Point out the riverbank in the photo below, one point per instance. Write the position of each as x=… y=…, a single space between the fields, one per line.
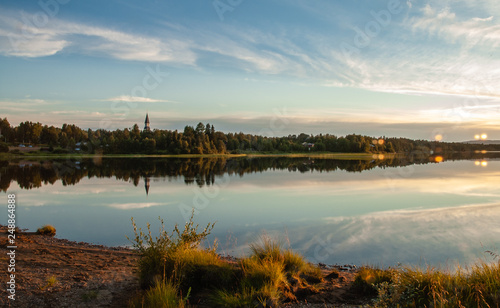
x=52 y=272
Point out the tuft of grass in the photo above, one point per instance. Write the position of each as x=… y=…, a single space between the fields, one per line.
x=50 y=282
x=163 y=295
x=89 y=296
x=368 y=278
x=271 y=250
x=47 y=230
x=199 y=269
x=268 y=276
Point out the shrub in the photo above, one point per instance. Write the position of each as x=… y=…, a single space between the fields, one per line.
x=160 y=256
x=47 y=230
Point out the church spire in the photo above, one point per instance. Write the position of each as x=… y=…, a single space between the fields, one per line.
x=146 y=123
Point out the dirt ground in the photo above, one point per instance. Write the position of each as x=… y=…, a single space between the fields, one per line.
x=53 y=272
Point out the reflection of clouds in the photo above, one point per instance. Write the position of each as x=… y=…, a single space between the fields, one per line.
x=136 y=205
x=389 y=237
x=88 y=191
x=435 y=236
x=484 y=184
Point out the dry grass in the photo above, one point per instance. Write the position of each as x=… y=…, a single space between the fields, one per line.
x=47 y=230
x=478 y=286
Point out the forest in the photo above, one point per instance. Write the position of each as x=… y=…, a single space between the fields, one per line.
x=204 y=139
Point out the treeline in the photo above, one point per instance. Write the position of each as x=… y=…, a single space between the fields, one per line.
x=204 y=139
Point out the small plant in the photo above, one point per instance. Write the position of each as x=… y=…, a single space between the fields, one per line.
x=46 y=230
x=90 y=295
x=50 y=282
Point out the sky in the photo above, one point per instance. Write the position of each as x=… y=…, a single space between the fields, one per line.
x=416 y=69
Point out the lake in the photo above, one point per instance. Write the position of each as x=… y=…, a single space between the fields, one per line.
x=382 y=211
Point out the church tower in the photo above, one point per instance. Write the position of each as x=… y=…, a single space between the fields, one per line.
x=146 y=124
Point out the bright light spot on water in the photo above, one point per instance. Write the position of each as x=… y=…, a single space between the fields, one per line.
x=484 y=152
x=438 y=159
x=381 y=141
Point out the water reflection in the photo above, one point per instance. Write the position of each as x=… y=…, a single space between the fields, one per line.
x=31 y=174
x=391 y=211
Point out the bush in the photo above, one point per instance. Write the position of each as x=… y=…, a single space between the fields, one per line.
x=160 y=256
x=60 y=151
x=4 y=148
x=46 y=230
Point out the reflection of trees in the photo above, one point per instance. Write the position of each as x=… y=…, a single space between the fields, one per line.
x=199 y=171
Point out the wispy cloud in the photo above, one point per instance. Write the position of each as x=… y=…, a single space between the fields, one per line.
x=432 y=50
x=135 y=99
x=25 y=40
x=447 y=25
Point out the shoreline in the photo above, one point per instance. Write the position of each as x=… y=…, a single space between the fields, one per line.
x=318 y=155
x=53 y=272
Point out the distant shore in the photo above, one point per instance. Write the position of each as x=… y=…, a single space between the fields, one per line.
x=326 y=155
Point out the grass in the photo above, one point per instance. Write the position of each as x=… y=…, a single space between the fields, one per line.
x=47 y=230
x=90 y=296
x=478 y=286
x=163 y=295
x=175 y=263
x=174 y=267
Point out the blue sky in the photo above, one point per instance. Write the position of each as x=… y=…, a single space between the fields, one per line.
x=396 y=68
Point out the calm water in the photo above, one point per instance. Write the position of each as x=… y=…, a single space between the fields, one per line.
x=358 y=212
